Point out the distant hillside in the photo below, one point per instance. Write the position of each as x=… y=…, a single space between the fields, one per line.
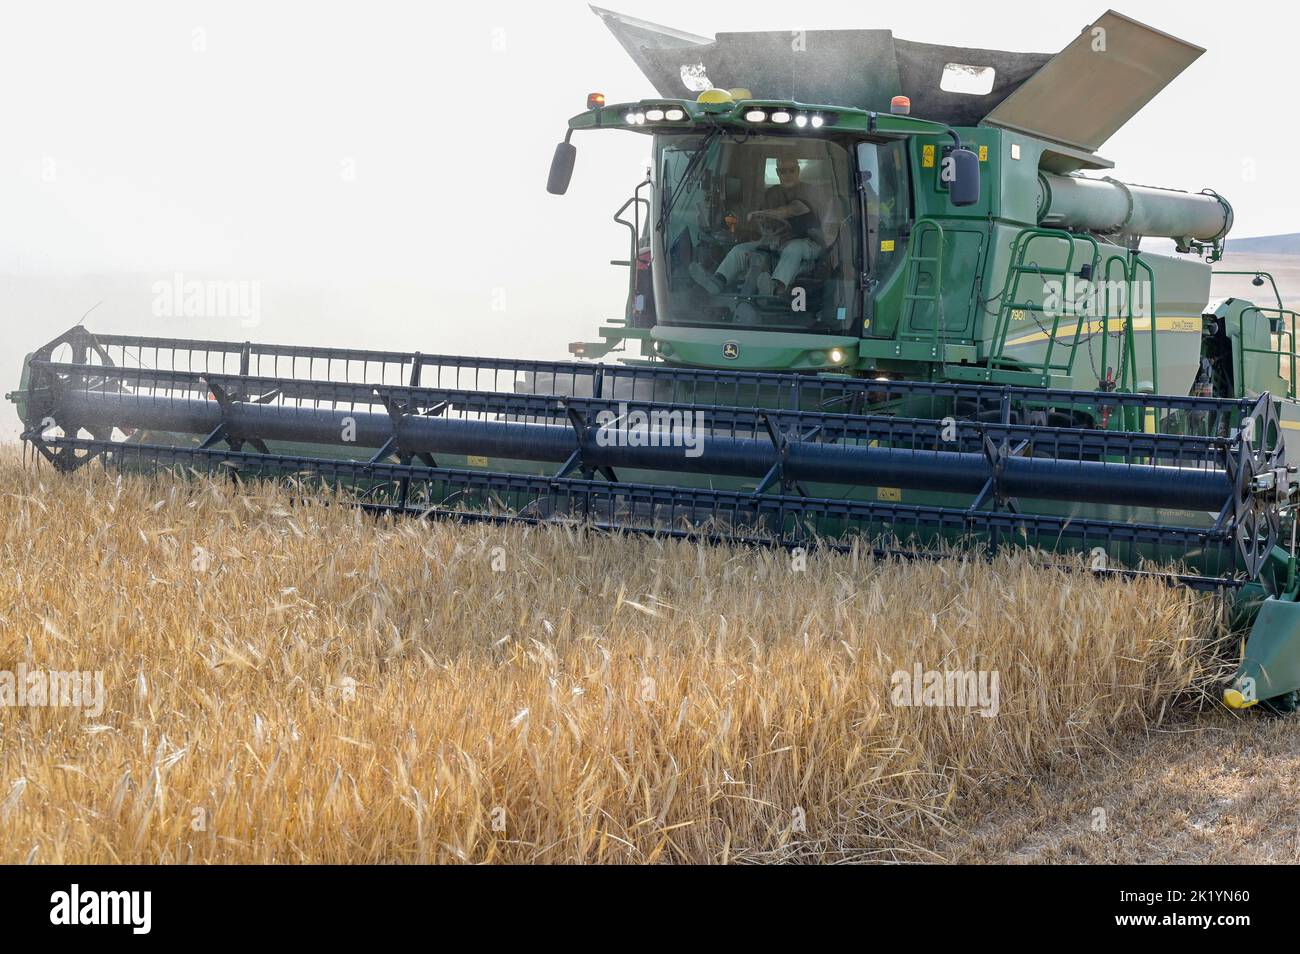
x=1288 y=244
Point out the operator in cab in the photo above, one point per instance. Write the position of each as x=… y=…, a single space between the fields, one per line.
x=791 y=233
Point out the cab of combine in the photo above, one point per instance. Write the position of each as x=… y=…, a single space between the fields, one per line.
x=850 y=202
x=771 y=227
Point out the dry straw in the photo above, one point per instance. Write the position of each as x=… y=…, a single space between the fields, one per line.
x=291 y=682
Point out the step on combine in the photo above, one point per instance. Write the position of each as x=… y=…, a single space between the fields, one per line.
x=881 y=294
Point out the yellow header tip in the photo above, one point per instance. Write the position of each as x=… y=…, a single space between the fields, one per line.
x=1233 y=699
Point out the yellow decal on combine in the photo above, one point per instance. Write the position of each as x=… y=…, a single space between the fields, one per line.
x=927 y=157
x=887 y=245
x=1116 y=324
x=477 y=461
x=984 y=153
x=892 y=494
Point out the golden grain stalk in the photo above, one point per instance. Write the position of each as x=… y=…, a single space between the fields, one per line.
x=290 y=682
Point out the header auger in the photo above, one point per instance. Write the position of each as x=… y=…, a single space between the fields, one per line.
x=856 y=327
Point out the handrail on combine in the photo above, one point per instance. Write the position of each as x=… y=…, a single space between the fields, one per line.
x=1011 y=291
x=1286 y=357
x=1128 y=346
x=1151 y=277
x=636 y=200
x=913 y=278
x=1256 y=273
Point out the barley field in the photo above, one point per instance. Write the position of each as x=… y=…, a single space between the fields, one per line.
x=288 y=681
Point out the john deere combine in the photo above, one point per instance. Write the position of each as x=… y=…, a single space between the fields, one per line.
x=881 y=293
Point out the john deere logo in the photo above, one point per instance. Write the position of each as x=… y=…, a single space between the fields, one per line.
x=731 y=349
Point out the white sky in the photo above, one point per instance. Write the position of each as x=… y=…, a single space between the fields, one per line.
x=130 y=154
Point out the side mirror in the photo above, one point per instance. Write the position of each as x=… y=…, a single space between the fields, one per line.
x=961 y=170
x=866 y=161
x=561 y=168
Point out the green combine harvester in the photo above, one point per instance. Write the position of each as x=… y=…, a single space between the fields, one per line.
x=881 y=294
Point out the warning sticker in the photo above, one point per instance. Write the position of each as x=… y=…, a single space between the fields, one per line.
x=887 y=245
x=892 y=494
x=927 y=157
x=984 y=153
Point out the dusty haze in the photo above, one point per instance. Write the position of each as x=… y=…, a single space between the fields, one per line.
x=377 y=169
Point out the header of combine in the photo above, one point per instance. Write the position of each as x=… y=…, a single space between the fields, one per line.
x=796 y=460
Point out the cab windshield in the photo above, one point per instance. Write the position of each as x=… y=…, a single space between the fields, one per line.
x=765 y=232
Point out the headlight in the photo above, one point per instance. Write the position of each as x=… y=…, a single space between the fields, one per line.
x=836 y=355
x=817 y=122
x=674 y=115
x=801 y=121
x=654 y=115
x=755 y=116
x=780 y=116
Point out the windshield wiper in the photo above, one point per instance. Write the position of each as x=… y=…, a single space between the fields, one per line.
x=668 y=203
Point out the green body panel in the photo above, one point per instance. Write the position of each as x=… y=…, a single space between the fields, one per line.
x=754 y=350
x=1270 y=655
x=1270 y=666
x=1249 y=331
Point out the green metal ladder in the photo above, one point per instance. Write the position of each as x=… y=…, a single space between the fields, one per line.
x=912 y=295
x=1012 y=303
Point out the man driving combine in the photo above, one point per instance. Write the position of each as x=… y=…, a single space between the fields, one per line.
x=788 y=223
